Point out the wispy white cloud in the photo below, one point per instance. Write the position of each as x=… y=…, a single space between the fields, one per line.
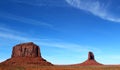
x=111 y=58
x=24 y=20
x=55 y=3
x=70 y=46
x=12 y=34
x=95 y=7
x=8 y=30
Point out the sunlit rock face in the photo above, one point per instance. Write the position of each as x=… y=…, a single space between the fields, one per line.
x=26 y=50
x=26 y=54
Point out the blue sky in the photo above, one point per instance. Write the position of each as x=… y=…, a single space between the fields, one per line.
x=65 y=30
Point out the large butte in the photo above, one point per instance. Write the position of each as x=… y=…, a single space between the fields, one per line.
x=26 y=54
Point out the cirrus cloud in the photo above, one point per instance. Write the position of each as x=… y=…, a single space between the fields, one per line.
x=94 y=7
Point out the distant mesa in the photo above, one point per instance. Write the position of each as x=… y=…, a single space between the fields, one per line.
x=90 y=61
x=26 y=54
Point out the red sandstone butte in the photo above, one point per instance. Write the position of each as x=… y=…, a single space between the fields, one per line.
x=90 y=61
x=26 y=54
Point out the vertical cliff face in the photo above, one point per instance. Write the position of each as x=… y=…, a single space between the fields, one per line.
x=91 y=56
x=26 y=54
x=26 y=50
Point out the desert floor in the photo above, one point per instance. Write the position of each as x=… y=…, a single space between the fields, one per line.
x=105 y=67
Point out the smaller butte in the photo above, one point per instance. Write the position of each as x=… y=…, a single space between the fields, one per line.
x=90 y=61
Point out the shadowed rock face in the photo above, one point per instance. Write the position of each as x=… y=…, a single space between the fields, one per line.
x=26 y=50
x=26 y=54
x=91 y=56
